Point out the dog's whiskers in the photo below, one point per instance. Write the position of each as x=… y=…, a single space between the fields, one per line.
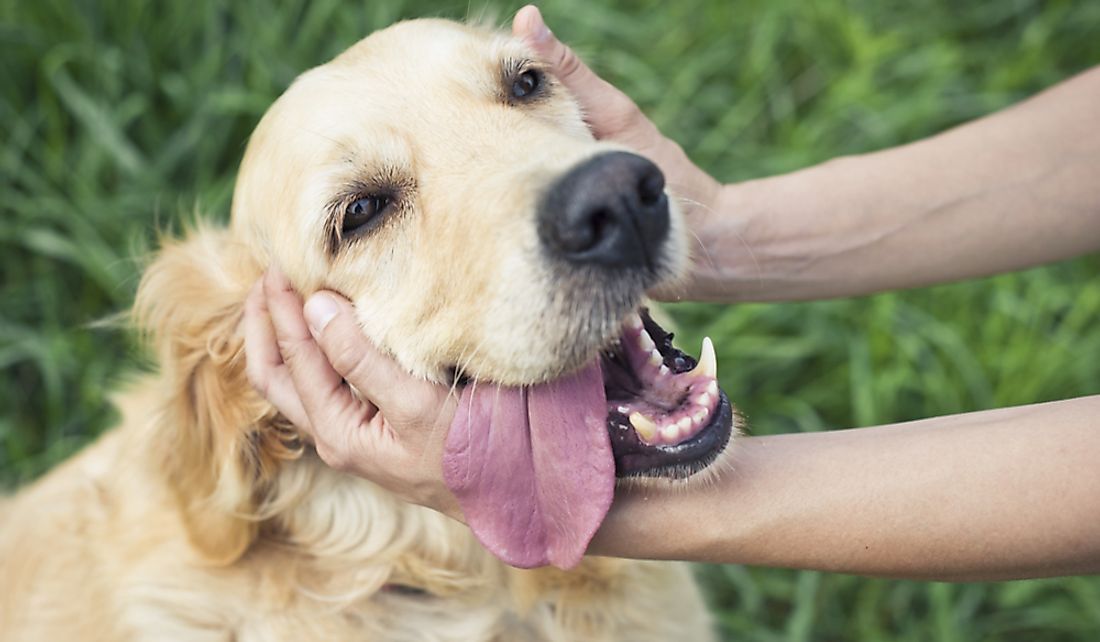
x=452 y=392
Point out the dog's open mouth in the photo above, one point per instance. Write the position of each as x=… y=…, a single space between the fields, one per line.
x=534 y=467
x=666 y=415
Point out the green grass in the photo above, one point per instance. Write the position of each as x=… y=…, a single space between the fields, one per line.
x=120 y=117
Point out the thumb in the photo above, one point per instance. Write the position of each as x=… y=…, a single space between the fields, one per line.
x=607 y=110
x=333 y=323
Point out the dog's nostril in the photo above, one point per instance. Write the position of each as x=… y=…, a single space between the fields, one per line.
x=592 y=227
x=651 y=187
x=599 y=224
x=610 y=210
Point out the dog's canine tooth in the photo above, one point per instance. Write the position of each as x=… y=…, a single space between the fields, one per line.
x=644 y=426
x=645 y=342
x=708 y=361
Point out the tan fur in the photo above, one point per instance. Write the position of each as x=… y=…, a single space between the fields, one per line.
x=203 y=517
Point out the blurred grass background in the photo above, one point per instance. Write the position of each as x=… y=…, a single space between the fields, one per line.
x=119 y=117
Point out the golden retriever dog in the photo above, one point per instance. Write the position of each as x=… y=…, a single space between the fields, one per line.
x=442 y=179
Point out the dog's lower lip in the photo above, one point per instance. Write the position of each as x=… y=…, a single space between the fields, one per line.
x=648 y=381
x=634 y=458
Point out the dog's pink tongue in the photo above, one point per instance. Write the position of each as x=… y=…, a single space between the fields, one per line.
x=532 y=467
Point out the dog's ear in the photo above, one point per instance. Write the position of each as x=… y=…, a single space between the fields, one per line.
x=215 y=439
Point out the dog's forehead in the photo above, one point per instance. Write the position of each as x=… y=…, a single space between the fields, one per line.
x=408 y=74
x=435 y=60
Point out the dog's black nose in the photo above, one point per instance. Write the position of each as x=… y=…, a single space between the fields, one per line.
x=610 y=210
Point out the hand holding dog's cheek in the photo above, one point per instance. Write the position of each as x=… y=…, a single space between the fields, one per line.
x=318 y=369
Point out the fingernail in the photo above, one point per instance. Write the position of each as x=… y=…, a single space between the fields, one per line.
x=319 y=310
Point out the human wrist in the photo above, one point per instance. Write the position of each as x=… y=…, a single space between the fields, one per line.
x=723 y=245
x=766 y=239
x=697 y=191
x=718 y=520
x=647 y=523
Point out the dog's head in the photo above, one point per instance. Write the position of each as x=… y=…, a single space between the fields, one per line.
x=441 y=178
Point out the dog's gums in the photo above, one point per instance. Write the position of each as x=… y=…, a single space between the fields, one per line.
x=666 y=415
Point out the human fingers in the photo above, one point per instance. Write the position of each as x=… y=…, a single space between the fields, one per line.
x=337 y=418
x=404 y=443
x=609 y=112
x=403 y=397
x=264 y=364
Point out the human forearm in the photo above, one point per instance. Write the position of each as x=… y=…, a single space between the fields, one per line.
x=1015 y=189
x=984 y=496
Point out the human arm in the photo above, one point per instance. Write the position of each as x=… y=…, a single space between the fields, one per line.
x=1015 y=189
x=1001 y=494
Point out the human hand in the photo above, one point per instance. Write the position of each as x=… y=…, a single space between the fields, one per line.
x=612 y=116
x=364 y=414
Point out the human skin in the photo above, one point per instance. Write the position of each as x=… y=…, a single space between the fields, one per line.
x=994 y=495
x=1012 y=190
x=1001 y=494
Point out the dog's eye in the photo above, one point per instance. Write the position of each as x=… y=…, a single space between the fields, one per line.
x=526 y=84
x=365 y=212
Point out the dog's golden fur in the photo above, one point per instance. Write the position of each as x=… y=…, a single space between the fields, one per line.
x=203 y=517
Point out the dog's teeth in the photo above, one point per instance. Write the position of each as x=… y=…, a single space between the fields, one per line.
x=634 y=321
x=700 y=416
x=684 y=425
x=644 y=426
x=708 y=361
x=655 y=358
x=671 y=432
x=663 y=370
x=645 y=342
x=712 y=389
x=703 y=400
